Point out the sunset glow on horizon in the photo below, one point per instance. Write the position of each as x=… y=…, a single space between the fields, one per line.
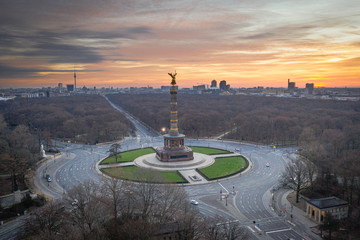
x=136 y=43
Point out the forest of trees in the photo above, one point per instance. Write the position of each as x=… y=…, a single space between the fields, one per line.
x=82 y=118
x=19 y=151
x=250 y=118
x=125 y=210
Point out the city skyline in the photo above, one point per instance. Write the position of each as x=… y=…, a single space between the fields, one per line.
x=122 y=44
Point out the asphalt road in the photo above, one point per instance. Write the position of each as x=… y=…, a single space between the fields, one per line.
x=250 y=201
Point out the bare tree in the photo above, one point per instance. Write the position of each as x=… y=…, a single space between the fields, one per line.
x=112 y=195
x=128 y=200
x=87 y=213
x=146 y=191
x=219 y=228
x=296 y=176
x=191 y=222
x=114 y=150
x=47 y=222
x=18 y=152
x=232 y=231
x=170 y=198
x=212 y=230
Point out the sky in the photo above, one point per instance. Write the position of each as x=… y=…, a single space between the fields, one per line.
x=123 y=43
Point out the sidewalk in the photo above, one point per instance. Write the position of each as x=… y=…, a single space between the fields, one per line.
x=302 y=223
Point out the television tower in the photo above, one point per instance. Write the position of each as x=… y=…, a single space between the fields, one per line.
x=74 y=79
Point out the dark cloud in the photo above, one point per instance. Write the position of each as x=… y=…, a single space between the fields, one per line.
x=287 y=32
x=63 y=46
x=7 y=71
x=47 y=46
x=259 y=36
x=126 y=59
x=125 y=33
x=139 y=30
x=65 y=53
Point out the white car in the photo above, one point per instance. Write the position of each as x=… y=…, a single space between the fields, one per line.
x=267 y=165
x=194 y=202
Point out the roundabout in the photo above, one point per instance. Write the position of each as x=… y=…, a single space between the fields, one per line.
x=250 y=203
x=192 y=171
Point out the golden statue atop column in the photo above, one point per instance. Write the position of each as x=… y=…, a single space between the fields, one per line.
x=174 y=149
x=173 y=76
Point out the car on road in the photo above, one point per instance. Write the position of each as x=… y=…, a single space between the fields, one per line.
x=267 y=165
x=48 y=178
x=194 y=202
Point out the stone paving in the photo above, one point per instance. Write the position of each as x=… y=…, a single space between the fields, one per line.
x=150 y=161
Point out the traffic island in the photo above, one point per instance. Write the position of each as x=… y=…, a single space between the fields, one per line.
x=134 y=173
x=127 y=156
x=224 y=167
x=138 y=164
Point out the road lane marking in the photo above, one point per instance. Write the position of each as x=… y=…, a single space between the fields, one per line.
x=257 y=228
x=251 y=229
x=223 y=187
x=291 y=223
x=280 y=230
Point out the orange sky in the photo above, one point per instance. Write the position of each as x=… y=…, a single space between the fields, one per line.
x=122 y=44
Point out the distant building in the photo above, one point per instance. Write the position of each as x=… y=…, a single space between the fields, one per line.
x=70 y=87
x=199 y=87
x=291 y=85
x=309 y=88
x=60 y=87
x=165 y=88
x=214 y=83
x=227 y=87
x=316 y=208
x=222 y=85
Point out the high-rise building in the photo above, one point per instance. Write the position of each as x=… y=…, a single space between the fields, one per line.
x=70 y=87
x=213 y=83
x=222 y=85
x=60 y=87
x=291 y=85
x=310 y=88
x=74 y=79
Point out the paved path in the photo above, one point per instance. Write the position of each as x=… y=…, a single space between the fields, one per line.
x=193 y=177
x=123 y=164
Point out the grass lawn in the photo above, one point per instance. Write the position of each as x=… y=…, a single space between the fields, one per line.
x=223 y=167
x=128 y=156
x=209 y=151
x=130 y=174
